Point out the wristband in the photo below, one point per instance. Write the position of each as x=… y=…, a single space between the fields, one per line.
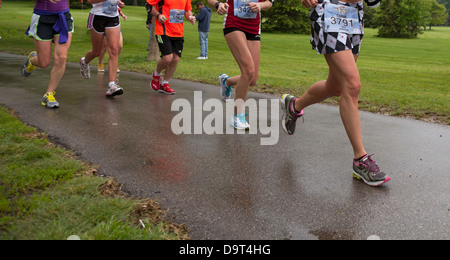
x=217 y=5
x=157 y=17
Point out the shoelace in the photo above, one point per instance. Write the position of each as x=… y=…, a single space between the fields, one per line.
x=50 y=97
x=370 y=164
x=229 y=90
x=30 y=67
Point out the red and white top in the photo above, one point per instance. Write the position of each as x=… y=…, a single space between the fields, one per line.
x=240 y=16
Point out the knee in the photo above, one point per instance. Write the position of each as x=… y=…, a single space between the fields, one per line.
x=352 y=89
x=114 y=52
x=60 y=59
x=44 y=63
x=254 y=80
x=175 y=58
x=167 y=58
x=97 y=52
x=250 y=75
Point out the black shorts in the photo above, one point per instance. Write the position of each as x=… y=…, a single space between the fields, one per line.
x=100 y=23
x=169 y=45
x=250 y=36
x=41 y=27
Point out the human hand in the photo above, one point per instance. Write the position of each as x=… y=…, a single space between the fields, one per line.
x=192 y=19
x=162 y=19
x=310 y=3
x=255 y=7
x=223 y=8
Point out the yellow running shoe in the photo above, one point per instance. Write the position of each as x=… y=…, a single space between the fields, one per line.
x=101 y=68
x=49 y=100
x=27 y=67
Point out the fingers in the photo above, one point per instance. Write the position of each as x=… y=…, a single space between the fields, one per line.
x=310 y=3
x=223 y=8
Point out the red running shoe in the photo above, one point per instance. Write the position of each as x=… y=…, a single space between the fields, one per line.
x=165 y=88
x=155 y=81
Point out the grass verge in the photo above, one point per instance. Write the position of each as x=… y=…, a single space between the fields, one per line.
x=47 y=193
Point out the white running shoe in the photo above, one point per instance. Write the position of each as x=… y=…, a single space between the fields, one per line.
x=225 y=92
x=85 y=69
x=239 y=122
x=114 y=90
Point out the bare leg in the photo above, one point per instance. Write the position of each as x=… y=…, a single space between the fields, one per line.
x=343 y=81
x=247 y=55
x=59 y=63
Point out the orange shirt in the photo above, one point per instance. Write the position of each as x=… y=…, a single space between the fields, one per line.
x=174 y=11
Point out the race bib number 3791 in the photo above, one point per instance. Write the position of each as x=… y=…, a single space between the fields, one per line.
x=343 y=19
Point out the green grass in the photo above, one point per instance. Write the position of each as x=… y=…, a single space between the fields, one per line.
x=46 y=193
x=400 y=77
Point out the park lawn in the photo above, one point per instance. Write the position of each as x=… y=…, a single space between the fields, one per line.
x=47 y=193
x=401 y=77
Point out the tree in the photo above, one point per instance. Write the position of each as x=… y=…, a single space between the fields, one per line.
x=287 y=16
x=153 y=54
x=438 y=14
x=402 y=18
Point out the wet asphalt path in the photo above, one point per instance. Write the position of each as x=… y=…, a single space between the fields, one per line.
x=231 y=187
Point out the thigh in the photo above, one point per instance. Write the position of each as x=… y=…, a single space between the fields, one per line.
x=238 y=44
x=61 y=50
x=113 y=36
x=44 y=52
x=97 y=41
x=343 y=70
x=255 y=50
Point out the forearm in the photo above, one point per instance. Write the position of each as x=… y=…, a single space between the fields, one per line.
x=95 y=1
x=266 y=5
x=188 y=14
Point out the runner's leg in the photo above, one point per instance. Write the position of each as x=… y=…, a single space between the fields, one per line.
x=239 y=47
x=44 y=54
x=345 y=76
x=171 y=66
x=113 y=38
x=97 y=43
x=59 y=63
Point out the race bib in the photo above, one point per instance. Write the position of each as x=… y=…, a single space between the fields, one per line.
x=343 y=19
x=176 y=16
x=242 y=9
x=110 y=7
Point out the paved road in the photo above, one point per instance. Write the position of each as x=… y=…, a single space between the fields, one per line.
x=230 y=186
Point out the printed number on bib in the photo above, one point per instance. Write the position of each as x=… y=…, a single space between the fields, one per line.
x=176 y=16
x=242 y=9
x=110 y=7
x=343 y=19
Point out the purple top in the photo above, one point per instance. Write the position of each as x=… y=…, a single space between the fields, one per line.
x=52 y=5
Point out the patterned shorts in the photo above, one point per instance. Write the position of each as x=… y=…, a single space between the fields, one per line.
x=327 y=43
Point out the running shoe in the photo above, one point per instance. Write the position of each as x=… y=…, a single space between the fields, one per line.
x=49 y=100
x=155 y=81
x=27 y=67
x=225 y=92
x=367 y=170
x=101 y=68
x=85 y=69
x=239 y=122
x=165 y=88
x=114 y=90
x=290 y=116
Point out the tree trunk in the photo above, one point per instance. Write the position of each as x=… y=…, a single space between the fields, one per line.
x=153 y=54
